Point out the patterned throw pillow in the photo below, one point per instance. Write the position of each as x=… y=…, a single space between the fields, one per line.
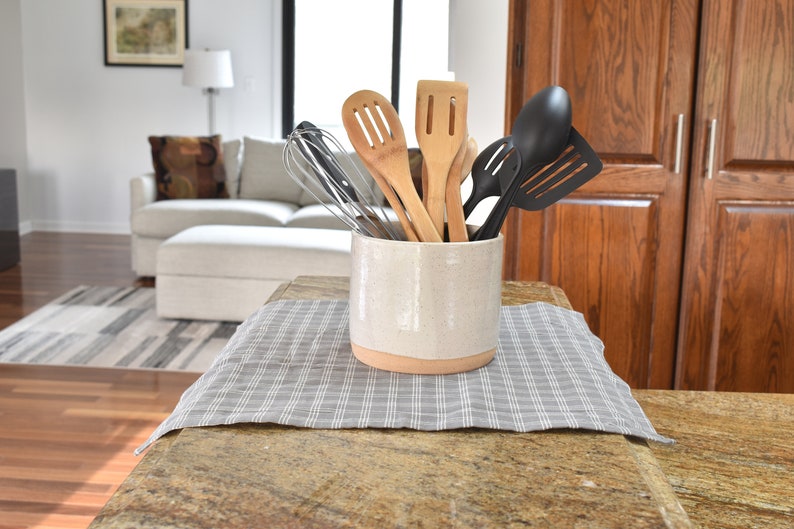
x=188 y=167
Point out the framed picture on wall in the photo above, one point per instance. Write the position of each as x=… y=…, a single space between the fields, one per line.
x=145 y=32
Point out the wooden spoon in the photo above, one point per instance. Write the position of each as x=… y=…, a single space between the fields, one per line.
x=472 y=150
x=441 y=108
x=394 y=202
x=456 y=221
x=377 y=135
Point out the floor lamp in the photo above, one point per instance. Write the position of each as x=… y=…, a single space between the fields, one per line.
x=209 y=70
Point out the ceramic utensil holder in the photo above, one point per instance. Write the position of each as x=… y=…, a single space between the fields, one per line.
x=425 y=308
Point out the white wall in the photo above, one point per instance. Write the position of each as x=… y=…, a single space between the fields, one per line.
x=87 y=123
x=13 y=145
x=478 y=56
x=77 y=132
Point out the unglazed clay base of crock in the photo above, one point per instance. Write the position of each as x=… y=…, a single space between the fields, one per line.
x=434 y=302
x=420 y=366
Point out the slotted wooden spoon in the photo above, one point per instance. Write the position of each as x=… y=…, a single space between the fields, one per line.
x=377 y=135
x=441 y=108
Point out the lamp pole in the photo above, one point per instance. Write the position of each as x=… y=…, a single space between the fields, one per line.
x=211 y=93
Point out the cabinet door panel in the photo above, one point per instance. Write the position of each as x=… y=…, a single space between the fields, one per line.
x=612 y=243
x=629 y=68
x=754 y=262
x=615 y=87
x=760 y=83
x=737 y=319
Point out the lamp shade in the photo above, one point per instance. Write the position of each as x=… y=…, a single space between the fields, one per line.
x=208 y=69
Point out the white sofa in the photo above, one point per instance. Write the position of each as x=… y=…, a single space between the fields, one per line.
x=262 y=194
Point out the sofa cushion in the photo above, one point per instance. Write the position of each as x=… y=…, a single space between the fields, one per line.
x=165 y=218
x=231 y=162
x=311 y=194
x=320 y=216
x=263 y=174
x=254 y=252
x=317 y=216
x=188 y=167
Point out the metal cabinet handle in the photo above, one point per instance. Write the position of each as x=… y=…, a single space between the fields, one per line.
x=679 y=144
x=712 y=146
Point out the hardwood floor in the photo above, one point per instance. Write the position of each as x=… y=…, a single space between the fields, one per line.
x=67 y=433
x=54 y=263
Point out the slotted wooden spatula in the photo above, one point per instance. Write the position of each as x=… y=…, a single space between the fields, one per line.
x=377 y=135
x=441 y=108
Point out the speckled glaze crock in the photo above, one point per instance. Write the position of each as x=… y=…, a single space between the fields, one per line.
x=425 y=308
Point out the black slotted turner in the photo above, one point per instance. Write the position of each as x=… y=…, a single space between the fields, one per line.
x=499 y=158
x=577 y=165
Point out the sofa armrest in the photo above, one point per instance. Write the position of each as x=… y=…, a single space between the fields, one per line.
x=143 y=191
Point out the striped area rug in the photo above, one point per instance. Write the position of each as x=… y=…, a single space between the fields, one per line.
x=112 y=327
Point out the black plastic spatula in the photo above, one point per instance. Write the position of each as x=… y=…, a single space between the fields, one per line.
x=497 y=160
x=577 y=165
x=540 y=133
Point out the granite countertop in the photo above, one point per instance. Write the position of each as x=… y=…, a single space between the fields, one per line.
x=731 y=467
x=733 y=463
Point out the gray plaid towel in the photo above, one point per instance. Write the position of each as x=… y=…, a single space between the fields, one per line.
x=291 y=363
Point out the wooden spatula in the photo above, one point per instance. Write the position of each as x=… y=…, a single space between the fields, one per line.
x=394 y=202
x=441 y=108
x=377 y=135
x=456 y=220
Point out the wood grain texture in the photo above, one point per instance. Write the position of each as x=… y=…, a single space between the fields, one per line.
x=441 y=131
x=759 y=106
x=66 y=434
x=737 y=312
x=54 y=263
x=67 y=437
x=379 y=140
x=614 y=246
x=630 y=71
x=610 y=246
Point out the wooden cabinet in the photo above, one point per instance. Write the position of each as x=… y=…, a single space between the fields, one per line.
x=737 y=312
x=688 y=280
x=616 y=245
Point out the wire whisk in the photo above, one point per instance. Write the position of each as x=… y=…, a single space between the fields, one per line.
x=318 y=162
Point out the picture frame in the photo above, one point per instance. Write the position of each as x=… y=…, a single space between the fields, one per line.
x=145 y=32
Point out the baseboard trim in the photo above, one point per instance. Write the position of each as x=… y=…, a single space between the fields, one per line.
x=122 y=228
